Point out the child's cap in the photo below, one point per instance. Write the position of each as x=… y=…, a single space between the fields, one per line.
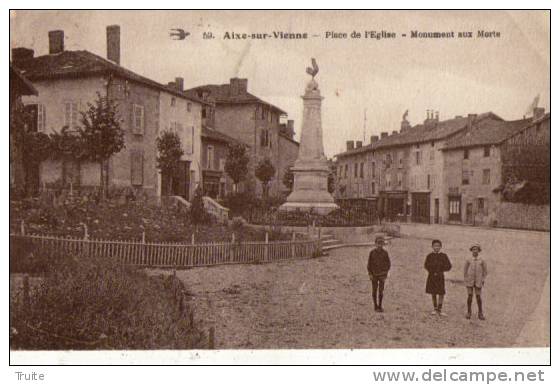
x=437 y=241
x=476 y=245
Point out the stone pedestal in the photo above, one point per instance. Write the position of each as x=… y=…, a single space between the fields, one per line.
x=311 y=169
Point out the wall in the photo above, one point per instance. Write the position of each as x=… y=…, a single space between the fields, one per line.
x=242 y=122
x=220 y=156
x=191 y=122
x=53 y=94
x=127 y=93
x=522 y=216
x=287 y=155
x=454 y=164
x=355 y=186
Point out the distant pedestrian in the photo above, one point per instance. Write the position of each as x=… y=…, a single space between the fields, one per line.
x=378 y=267
x=437 y=263
x=475 y=274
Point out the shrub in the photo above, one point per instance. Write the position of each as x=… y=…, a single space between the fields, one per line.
x=97 y=304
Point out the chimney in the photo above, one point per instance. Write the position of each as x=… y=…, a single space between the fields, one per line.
x=56 y=42
x=538 y=112
x=384 y=135
x=471 y=118
x=238 y=86
x=374 y=138
x=21 y=54
x=458 y=116
x=358 y=143
x=349 y=145
x=114 y=43
x=437 y=116
x=290 y=125
x=179 y=84
x=395 y=132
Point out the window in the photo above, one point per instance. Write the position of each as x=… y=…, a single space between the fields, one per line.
x=372 y=188
x=418 y=157
x=189 y=106
x=136 y=168
x=203 y=113
x=432 y=154
x=210 y=157
x=362 y=170
x=454 y=206
x=466 y=153
x=412 y=182
x=486 y=151
x=263 y=113
x=71 y=114
x=428 y=181
x=480 y=205
x=372 y=170
x=465 y=178
x=137 y=119
x=346 y=171
x=41 y=118
x=264 y=138
x=355 y=170
x=486 y=176
x=387 y=180
x=222 y=164
x=399 y=179
x=401 y=159
x=388 y=160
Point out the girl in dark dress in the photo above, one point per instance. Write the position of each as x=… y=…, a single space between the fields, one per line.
x=436 y=263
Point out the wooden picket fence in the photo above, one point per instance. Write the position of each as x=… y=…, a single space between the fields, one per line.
x=173 y=255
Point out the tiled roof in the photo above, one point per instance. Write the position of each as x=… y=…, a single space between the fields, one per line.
x=209 y=133
x=423 y=133
x=20 y=82
x=487 y=132
x=221 y=94
x=75 y=64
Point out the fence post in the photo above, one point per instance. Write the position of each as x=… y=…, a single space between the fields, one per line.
x=293 y=244
x=266 y=246
x=232 y=247
x=211 y=338
x=86 y=234
x=144 y=248
x=22 y=227
x=192 y=238
x=26 y=290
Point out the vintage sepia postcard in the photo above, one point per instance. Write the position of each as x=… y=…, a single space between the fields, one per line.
x=187 y=187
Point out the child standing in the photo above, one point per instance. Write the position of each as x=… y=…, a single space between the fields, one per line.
x=378 y=267
x=436 y=263
x=475 y=275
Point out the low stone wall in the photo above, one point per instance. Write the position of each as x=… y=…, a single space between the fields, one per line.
x=343 y=234
x=523 y=216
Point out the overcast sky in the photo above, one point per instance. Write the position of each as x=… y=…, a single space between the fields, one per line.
x=384 y=77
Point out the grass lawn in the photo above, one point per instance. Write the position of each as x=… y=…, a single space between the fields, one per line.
x=326 y=302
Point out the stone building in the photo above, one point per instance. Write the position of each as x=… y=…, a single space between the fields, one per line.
x=234 y=111
x=68 y=80
x=216 y=183
x=474 y=164
x=405 y=169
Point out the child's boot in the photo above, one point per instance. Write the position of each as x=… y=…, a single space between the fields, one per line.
x=469 y=306
x=380 y=308
x=479 y=303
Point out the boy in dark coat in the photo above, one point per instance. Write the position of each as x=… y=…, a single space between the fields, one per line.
x=436 y=263
x=378 y=267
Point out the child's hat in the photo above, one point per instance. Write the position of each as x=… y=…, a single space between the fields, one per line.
x=477 y=245
x=379 y=238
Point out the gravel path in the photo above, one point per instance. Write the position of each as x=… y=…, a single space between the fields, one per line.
x=326 y=302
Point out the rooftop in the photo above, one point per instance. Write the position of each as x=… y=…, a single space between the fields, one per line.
x=212 y=134
x=225 y=94
x=82 y=63
x=420 y=133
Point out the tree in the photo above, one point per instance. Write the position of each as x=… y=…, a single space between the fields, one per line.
x=102 y=135
x=237 y=163
x=265 y=172
x=169 y=155
x=288 y=178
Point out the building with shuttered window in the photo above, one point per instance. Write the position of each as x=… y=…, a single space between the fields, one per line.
x=68 y=80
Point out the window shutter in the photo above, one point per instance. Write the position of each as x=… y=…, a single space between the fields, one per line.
x=137 y=168
x=142 y=125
